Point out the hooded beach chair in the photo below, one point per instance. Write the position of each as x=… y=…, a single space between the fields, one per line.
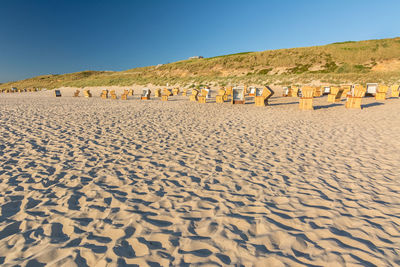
x=238 y=96
x=262 y=95
x=203 y=96
x=113 y=95
x=326 y=90
x=145 y=94
x=104 y=94
x=76 y=93
x=124 y=95
x=335 y=94
x=285 y=91
x=395 y=90
x=87 y=93
x=194 y=96
x=157 y=93
x=131 y=92
x=184 y=91
x=57 y=93
x=354 y=99
x=381 y=92
x=306 y=99
x=371 y=89
x=220 y=96
x=167 y=92
x=175 y=91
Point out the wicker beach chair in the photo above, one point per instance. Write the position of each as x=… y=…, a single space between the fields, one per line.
x=113 y=95
x=145 y=94
x=87 y=93
x=124 y=95
x=326 y=90
x=157 y=93
x=76 y=93
x=306 y=100
x=335 y=94
x=57 y=93
x=381 y=92
x=104 y=94
x=167 y=92
x=395 y=90
x=194 y=96
x=130 y=92
x=262 y=95
x=220 y=96
x=202 y=98
x=175 y=91
x=317 y=91
x=184 y=91
x=371 y=89
x=238 y=96
x=354 y=100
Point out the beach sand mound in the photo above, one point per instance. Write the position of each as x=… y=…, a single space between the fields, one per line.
x=109 y=182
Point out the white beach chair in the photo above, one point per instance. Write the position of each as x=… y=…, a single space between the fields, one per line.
x=371 y=89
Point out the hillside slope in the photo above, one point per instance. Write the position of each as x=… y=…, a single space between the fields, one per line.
x=363 y=61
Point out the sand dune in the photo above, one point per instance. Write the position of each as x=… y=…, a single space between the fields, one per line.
x=109 y=182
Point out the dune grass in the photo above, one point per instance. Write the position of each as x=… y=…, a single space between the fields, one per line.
x=335 y=63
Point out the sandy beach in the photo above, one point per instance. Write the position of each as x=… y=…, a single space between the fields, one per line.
x=94 y=182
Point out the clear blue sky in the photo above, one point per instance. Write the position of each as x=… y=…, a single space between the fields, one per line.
x=58 y=36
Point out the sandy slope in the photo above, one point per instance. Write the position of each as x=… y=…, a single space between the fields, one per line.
x=96 y=182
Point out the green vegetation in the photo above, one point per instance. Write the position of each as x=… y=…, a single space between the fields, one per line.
x=342 y=62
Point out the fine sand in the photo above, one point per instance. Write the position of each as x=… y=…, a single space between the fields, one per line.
x=110 y=182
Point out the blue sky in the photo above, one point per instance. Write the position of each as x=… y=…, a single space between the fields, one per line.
x=58 y=36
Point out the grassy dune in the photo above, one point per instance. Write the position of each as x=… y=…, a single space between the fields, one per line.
x=363 y=61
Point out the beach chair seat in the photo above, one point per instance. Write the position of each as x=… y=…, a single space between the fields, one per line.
x=252 y=91
x=57 y=93
x=113 y=95
x=354 y=100
x=175 y=91
x=262 y=95
x=194 y=96
x=76 y=93
x=306 y=99
x=220 y=96
x=238 y=96
x=145 y=94
x=395 y=90
x=335 y=94
x=87 y=93
x=381 y=92
x=104 y=94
